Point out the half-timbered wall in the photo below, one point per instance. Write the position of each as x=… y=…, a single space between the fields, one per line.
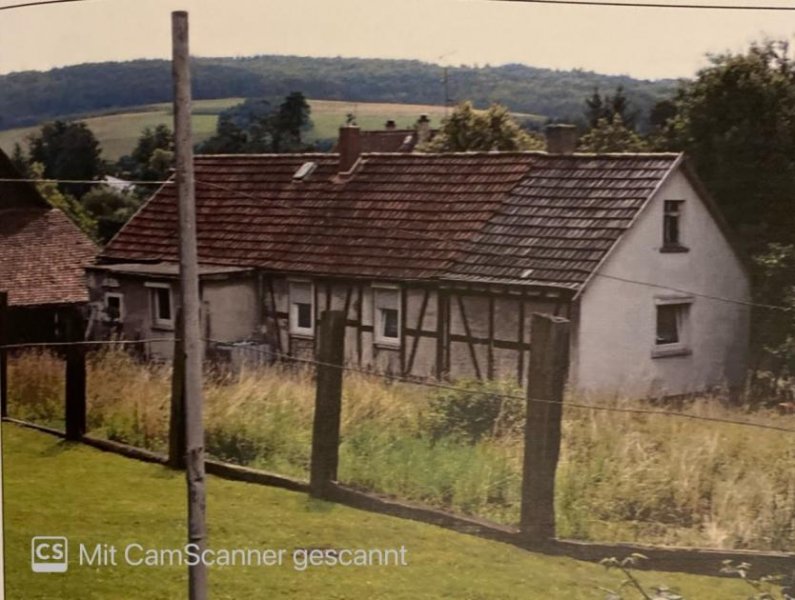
x=444 y=333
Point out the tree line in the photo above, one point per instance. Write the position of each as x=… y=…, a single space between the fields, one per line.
x=31 y=97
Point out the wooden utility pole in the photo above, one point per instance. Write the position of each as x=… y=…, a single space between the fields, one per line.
x=328 y=402
x=190 y=301
x=176 y=423
x=4 y=337
x=549 y=362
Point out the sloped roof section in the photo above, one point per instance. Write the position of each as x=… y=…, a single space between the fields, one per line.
x=524 y=218
x=560 y=221
x=42 y=257
x=398 y=216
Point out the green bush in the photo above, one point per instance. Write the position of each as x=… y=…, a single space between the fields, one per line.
x=480 y=410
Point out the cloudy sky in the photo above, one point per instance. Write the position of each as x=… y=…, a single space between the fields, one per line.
x=648 y=43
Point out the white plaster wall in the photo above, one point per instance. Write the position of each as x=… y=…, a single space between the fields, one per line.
x=617 y=322
x=229 y=309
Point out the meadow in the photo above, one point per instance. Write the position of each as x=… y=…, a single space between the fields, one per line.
x=622 y=477
x=118 y=132
x=58 y=488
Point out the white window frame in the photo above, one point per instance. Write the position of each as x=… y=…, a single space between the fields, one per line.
x=154 y=306
x=379 y=321
x=682 y=347
x=294 y=328
x=120 y=297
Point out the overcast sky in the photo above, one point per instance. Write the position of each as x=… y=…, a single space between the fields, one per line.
x=648 y=43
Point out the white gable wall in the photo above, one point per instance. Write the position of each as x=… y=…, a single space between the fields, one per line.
x=615 y=335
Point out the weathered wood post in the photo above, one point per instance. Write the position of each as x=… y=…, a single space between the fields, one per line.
x=75 y=413
x=176 y=423
x=548 y=369
x=328 y=402
x=4 y=337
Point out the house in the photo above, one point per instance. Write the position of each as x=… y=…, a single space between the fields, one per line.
x=439 y=261
x=43 y=255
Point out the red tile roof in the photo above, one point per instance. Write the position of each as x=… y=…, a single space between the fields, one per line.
x=483 y=216
x=42 y=257
x=387 y=140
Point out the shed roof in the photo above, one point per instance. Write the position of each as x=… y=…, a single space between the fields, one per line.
x=524 y=218
x=42 y=252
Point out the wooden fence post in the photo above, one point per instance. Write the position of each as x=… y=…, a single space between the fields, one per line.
x=75 y=393
x=4 y=338
x=328 y=402
x=548 y=369
x=176 y=430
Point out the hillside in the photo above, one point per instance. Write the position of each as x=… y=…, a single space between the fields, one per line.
x=30 y=97
x=118 y=131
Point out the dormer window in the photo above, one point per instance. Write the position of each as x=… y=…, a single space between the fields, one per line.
x=672 y=226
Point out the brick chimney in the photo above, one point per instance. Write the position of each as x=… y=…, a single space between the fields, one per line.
x=423 y=129
x=561 y=139
x=349 y=146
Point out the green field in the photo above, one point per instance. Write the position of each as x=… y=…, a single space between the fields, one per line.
x=119 y=131
x=55 y=488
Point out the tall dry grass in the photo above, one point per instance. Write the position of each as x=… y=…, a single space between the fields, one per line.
x=622 y=477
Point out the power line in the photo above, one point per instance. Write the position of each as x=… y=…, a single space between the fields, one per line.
x=617 y=409
x=655 y=5
x=697 y=294
x=42 y=3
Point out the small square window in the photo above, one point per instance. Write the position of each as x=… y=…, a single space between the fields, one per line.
x=672 y=328
x=302 y=310
x=386 y=304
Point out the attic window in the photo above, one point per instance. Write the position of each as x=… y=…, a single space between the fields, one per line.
x=304 y=171
x=672 y=226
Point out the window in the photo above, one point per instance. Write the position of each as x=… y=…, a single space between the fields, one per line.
x=386 y=309
x=672 y=327
x=302 y=308
x=114 y=307
x=162 y=305
x=672 y=234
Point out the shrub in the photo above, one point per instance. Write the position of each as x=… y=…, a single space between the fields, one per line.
x=480 y=409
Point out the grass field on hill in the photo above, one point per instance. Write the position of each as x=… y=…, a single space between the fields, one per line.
x=55 y=488
x=119 y=131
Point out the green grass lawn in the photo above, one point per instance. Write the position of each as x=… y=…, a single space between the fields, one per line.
x=118 y=132
x=60 y=489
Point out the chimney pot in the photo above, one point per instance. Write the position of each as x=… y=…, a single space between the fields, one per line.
x=561 y=139
x=349 y=146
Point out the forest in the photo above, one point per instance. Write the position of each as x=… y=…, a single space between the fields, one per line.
x=31 y=97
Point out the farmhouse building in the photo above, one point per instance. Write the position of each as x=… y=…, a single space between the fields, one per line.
x=439 y=261
x=43 y=255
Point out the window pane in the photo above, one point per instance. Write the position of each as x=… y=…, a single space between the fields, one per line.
x=304 y=311
x=163 y=304
x=113 y=307
x=671 y=229
x=389 y=320
x=667 y=327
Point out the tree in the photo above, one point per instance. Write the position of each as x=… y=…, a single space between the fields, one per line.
x=153 y=155
x=110 y=208
x=67 y=150
x=736 y=121
x=608 y=108
x=290 y=121
x=612 y=136
x=67 y=203
x=485 y=130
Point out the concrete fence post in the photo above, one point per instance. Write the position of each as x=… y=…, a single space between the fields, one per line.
x=328 y=402
x=548 y=370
